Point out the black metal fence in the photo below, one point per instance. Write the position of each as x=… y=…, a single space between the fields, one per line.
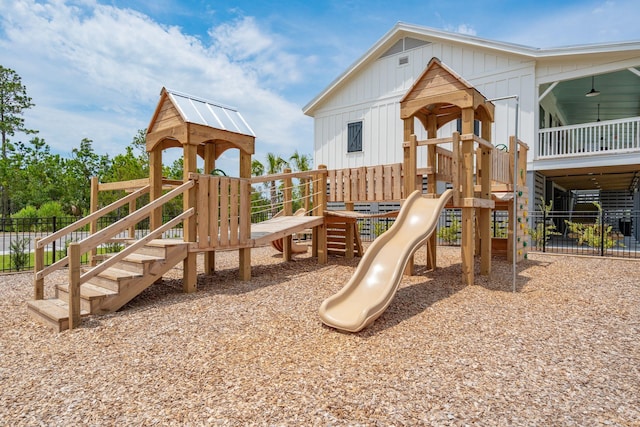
x=18 y=237
x=600 y=233
x=609 y=233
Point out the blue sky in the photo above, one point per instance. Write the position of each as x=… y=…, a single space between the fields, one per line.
x=94 y=68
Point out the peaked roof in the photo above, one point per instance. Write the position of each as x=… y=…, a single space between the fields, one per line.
x=401 y=30
x=208 y=113
x=441 y=92
x=185 y=119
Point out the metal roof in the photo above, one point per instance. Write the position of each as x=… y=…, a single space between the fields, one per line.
x=207 y=113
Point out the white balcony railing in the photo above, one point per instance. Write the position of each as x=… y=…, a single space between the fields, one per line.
x=606 y=137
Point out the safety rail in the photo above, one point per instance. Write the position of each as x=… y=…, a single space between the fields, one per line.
x=312 y=187
x=366 y=184
x=603 y=137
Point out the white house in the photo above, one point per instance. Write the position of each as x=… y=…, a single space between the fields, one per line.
x=579 y=109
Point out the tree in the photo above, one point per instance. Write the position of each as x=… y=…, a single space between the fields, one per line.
x=275 y=164
x=13 y=101
x=301 y=162
x=83 y=164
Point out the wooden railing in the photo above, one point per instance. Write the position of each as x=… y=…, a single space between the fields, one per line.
x=224 y=211
x=366 y=184
x=89 y=244
x=605 y=137
x=312 y=186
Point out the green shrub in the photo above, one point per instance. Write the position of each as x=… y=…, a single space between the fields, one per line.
x=19 y=250
x=51 y=209
x=450 y=233
x=542 y=234
x=596 y=235
x=26 y=219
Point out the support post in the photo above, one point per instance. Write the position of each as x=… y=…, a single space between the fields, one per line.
x=38 y=284
x=190 y=272
x=74 y=285
x=468 y=213
x=410 y=186
x=244 y=254
x=287 y=241
x=155 y=182
x=319 y=239
x=209 y=166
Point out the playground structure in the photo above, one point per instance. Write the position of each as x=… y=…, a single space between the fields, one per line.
x=216 y=214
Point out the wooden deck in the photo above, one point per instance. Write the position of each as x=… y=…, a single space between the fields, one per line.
x=279 y=227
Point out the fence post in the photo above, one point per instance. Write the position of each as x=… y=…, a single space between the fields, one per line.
x=544 y=230
x=602 y=234
x=53 y=244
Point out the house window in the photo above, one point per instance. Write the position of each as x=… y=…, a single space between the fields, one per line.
x=354 y=137
x=476 y=126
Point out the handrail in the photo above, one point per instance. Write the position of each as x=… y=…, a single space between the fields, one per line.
x=132 y=248
x=280 y=176
x=115 y=228
x=92 y=217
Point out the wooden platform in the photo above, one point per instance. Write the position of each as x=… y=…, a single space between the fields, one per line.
x=279 y=227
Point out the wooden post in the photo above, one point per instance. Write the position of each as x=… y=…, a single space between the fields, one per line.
x=287 y=211
x=319 y=243
x=209 y=166
x=468 y=212
x=38 y=284
x=432 y=188
x=485 y=193
x=93 y=226
x=244 y=254
x=410 y=187
x=155 y=182
x=74 y=285
x=190 y=273
x=132 y=229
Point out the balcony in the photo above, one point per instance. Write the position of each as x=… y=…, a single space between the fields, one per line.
x=589 y=139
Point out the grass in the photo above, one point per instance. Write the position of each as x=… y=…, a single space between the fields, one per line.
x=7 y=265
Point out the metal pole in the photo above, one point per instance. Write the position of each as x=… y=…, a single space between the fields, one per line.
x=515 y=186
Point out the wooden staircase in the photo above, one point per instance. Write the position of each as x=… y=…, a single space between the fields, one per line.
x=115 y=286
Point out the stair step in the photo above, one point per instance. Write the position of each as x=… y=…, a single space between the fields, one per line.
x=116 y=274
x=91 y=296
x=112 y=278
x=52 y=312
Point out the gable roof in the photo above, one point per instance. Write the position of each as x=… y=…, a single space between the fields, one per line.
x=184 y=119
x=401 y=30
x=208 y=113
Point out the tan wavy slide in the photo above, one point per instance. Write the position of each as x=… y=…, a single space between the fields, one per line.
x=376 y=279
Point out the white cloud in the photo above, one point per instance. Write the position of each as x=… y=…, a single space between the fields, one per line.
x=96 y=71
x=464 y=29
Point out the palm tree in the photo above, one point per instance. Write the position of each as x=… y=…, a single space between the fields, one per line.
x=275 y=164
x=301 y=162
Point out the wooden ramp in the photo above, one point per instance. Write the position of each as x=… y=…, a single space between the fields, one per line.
x=279 y=227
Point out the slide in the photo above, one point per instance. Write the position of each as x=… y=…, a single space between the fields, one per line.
x=373 y=285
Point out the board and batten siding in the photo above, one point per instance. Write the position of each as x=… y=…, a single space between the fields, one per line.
x=374 y=93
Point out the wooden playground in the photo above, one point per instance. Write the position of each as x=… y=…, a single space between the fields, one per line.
x=217 y=210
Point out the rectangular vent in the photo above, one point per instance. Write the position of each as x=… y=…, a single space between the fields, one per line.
x=403 y=60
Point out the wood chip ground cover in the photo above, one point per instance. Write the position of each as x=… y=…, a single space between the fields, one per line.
x=563 y=350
